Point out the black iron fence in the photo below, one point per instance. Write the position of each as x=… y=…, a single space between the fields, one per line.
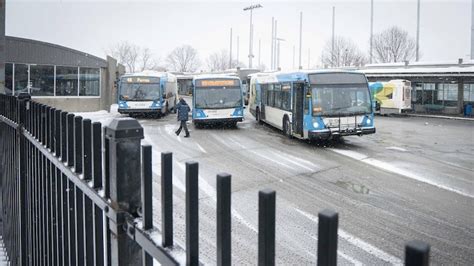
x=75 y=193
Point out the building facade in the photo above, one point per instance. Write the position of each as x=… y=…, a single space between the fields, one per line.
x=444 y=88
x=59 y=76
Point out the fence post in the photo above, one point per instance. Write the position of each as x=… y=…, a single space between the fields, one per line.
x=417 y=253
x=23 y=109
x=167 y=198
x=327 y=237
x=124 y=135
x=192 y=213
x=223 y=213
x=266 y=227
x=147 y=196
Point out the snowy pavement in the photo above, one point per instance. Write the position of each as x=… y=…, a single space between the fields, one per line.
x=411 y=180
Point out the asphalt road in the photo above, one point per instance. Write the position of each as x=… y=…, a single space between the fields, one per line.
x=413 y=179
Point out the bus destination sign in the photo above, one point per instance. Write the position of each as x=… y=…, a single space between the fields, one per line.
x=217 y=82
x=142 y=80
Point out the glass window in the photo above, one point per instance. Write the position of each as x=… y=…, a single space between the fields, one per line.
x=66 y=81
x=21 y=78
x=418 y=93
x=41 y=80
x=428 y=95
x=468 y=92
x=277 y=99
x=448 y=94
x=8 y=78
x=286 y=97
x=89 y=82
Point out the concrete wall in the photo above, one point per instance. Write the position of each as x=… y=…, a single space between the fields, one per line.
x=72 y=104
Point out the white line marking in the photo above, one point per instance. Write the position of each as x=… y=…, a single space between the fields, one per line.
x=275 y=161
x=358 y=242
x=396 y=148
x=293 y=161
x=349 y=258
x=201 y=148
x=397 y=170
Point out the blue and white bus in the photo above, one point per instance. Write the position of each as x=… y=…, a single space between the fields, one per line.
x=217 y=99
x=323 y=104
x=147 y=93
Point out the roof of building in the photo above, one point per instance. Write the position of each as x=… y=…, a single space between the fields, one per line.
x=28 y=51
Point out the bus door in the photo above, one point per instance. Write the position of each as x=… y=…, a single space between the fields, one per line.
x=263 y=97
x=298 y=107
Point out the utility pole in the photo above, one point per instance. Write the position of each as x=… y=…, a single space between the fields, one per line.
x=272 y=43
x=371 y=28
x=275 y=43
x=259 y=51
x=332 y=42
x=418 y=32
x=472 y=30
x=230 y=54
x=238 y=58
x=251 y=8
x=309 y=58
x=278 y=52
x=301 y=41
x=293 y=67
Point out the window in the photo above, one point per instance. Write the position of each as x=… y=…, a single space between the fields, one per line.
x=469 y=92
x=417 y=93
x=428 y=93
x=277 y=95
x=41 y=80
x=270 y=95
x=448 y=94
x=89 y=82
x=285 y=97
x=8 y=78
x=66 y=81
x=21 y=78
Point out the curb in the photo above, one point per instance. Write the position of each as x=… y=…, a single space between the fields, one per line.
x=441 y=116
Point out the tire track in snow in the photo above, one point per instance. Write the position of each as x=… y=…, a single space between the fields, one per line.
x=397 y=170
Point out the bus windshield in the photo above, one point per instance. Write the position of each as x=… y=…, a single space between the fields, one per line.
x=217 y=97
x=341 y=100
x=139 y=91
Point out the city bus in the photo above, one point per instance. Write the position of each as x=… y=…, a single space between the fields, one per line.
x=217 y=99
x=147 y=93
x=318 y=104
x=391 y=97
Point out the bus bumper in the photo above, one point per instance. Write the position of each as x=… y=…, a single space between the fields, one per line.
x=139 y=111
x=332 y=133
x=218 y=120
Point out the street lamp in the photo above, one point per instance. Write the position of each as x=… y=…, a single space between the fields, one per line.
x=251 y=8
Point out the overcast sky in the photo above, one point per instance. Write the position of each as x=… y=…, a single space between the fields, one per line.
x=94 y=26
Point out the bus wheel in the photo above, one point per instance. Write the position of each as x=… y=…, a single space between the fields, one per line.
x=257 y=116
x=287 y=128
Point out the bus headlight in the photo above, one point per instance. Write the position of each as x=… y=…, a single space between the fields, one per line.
x=368 y=121
x=315 y=124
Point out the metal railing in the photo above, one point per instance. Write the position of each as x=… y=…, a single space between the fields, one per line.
x=75 y=193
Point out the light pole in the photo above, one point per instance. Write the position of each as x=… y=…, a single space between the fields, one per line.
x=278 y=40
x=251 y=8
x=417 y=55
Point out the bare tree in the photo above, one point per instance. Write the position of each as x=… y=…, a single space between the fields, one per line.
x=183 y=59
x=133 y=57
x=218 y=61
x=345 y=53
x=393 y=45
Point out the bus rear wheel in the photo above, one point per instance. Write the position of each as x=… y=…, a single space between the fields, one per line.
x=287 y=128
x=258 y=116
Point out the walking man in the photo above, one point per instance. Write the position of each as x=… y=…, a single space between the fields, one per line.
x=183 y=110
